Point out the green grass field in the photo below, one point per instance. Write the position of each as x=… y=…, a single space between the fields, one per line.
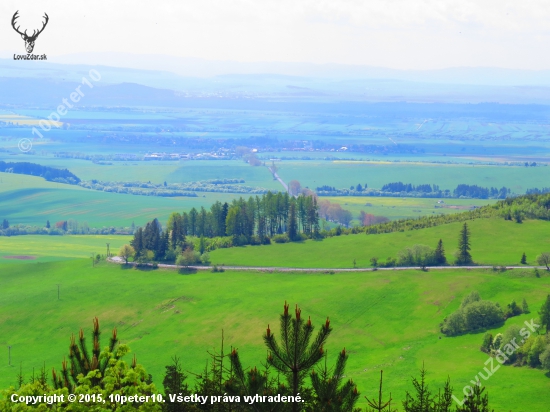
x=48 y=248
x=156 y=171
x=403 y=207
x=342 y=174
x=32 y=200
x=386 y=320
x=493 y=241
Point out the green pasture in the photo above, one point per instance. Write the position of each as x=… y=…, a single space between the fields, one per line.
x=404 y=207
x=385 y=320
x=343 y=174
x=43 y=248
x=194 y=170
x=157 y=171
x=32 y=201
x=493 y=241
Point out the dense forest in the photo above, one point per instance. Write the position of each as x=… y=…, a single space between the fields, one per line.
x=257 y=220
x=49 y=173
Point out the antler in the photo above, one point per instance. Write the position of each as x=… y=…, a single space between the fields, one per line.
x=43 y=25
x=34 y=33
x=15 y=17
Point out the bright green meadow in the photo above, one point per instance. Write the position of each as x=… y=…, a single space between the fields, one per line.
x=343 y=174
x=385 y=320
x=494 y=241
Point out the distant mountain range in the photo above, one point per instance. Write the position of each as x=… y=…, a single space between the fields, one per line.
x=171 y=81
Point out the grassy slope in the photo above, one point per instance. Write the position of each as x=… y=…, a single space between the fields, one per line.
x=32 y=200
x=157 y=171
x=375 y=174
x=493 y=241
x=48 y=248
x=385 y=320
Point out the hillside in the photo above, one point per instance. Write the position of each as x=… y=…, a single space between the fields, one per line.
x=495 y=241
x=386 y=320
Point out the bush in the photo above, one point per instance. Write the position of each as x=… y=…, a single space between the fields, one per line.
x=473 y=314
x=512 y=309
x=188 y=257
x=487 y=345
x=417 y=255
x=453 y=324
x=482 y=314
x=471 y=298
x=545 y=358
x=205 y=259
x=281 y=238
x=510 y=338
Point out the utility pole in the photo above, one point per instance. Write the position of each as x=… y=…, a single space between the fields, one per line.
x=57 y=290
x=9 y=355
x=108 y=251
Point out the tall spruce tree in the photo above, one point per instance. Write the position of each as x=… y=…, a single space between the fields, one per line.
x=292 y=223
x=464 y=257
x=439 y=254
x=137 y=243
x=544 y=314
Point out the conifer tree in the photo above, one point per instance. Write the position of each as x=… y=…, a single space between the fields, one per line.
x=137 y=242
x=174 y=383
x=545 y=314
x=81 y=361
x=380 y=405
x=292 y=223
x=439 y=254
x=424 y=401
x=331 y=395
x=294 y=355
x=523 y=259
x=525 y=306
x=476 y=402
x=464 y=257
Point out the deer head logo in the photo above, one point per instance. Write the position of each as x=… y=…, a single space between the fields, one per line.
x=29 y=40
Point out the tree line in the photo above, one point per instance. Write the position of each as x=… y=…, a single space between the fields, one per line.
x=188 y=189
x=33 y=169
x=396 y=189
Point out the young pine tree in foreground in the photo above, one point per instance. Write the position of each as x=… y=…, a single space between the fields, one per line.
x=380 y=405
x=331 y=395
x=294 y=356
x=476 y=402
x=424 y=401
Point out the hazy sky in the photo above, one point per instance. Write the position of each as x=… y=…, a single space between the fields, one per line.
x=402 y=34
